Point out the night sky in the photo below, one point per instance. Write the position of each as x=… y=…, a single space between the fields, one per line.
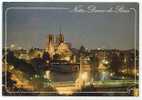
x=29 y=28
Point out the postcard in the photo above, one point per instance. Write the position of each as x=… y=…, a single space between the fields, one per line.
x=70 y=49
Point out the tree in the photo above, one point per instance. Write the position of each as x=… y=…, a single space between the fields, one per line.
x=46 y=56
x=20 y=64
x=116 y=63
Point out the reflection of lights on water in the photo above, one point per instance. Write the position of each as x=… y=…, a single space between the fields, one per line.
x=104 y=75
x=111 y=74
x=47 y=74
x=123 y=77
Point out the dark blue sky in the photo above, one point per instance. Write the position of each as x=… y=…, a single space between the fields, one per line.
x=30 y=27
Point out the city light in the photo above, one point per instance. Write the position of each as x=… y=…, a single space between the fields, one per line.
x=105 y=61
x=12 y=46
x=84 y=76
x=47 y=74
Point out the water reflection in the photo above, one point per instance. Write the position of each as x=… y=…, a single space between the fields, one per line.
x=60 y=77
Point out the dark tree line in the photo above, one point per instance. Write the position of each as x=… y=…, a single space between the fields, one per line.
x=35 y=66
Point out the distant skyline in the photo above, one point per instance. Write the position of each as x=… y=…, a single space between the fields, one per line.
x=29 y=26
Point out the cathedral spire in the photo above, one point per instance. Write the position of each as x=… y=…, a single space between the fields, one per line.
x=60 y=29
x=61 y=36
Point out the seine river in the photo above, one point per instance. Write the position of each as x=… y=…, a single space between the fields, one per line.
x=60 y=77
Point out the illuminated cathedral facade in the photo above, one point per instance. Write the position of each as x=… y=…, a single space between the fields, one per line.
x=57 y=45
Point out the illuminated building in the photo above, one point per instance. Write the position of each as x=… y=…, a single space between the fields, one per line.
x=50 y=38
x=57 y=45
x=50 y=48
x=64 y=50
x=59 y=38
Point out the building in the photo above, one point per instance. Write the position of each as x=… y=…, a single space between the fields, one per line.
x=57 y=45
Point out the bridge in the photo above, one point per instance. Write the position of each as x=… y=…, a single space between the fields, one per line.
x=66 y=88
x=114 y=83
x=70 y=87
